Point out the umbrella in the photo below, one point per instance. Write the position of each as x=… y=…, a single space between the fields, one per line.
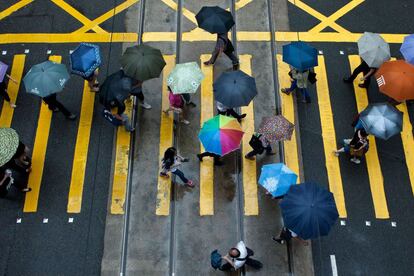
x=373 y=49
x=142 y=62
x=277 y=178
x=117 y=85
x=396 y=80
x=46 y=78
x=300 y=55
x=85 y=59
x=407 y=49
x=9 y=141
x=382 y=120
x=221 y=135
x=309 y=210
x=215 y=20
x=276 y=128
x=185 y=78
x=3 y=70
x=234 y=89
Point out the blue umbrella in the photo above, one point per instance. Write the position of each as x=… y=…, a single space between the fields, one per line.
x=277 y=178
x=85 y=59
x=300 y=55
x=309 y=210
x=407 y=49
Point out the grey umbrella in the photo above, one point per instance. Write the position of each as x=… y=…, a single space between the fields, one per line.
x=382 y=120
x=373 y=49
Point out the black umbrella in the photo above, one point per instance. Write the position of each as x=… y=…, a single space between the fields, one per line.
x=215 y=20
x=234 y=89
x=116 y=86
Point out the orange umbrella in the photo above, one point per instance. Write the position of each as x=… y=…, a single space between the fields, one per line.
x=396 y=80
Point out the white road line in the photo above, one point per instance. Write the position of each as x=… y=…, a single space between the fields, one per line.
x=4 y=53
x=19 y=220
x=333 y=265
x=393 y=224
x=343 y=223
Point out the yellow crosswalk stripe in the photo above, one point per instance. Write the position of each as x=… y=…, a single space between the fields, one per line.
x=13 y=90
x=376 y=180
x=329 y=137
x=288 y=111
x=251 y=203
x=81 y=151
x=120 y=177
x=166 y=141
x=39 y=153
x=207 y=166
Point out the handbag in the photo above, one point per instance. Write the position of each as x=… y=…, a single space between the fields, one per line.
x=356 y=153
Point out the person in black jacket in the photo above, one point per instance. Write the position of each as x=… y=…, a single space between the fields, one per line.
x=223 y=45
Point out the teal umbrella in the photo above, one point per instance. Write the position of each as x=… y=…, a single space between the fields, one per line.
x=46 y=78
x=142 y=62
x=185 y=78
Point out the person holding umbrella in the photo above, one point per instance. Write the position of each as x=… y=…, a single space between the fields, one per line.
x=3 y=85
x=224 y=110
x=259 y=143
x=299 y=81
x=223 y=45
x=356 y=147
x=176 y=105
x=85 y=61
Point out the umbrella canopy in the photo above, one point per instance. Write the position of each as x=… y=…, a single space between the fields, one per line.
x=116 y=86
x=373 y=49
x=396 y=80
x=407 y=49
x=309 y=210
x=276 y=128
x=3 y=70
x=85 y=59
x=277 y=178
x=185 y=78
x=9 y=141
x=382 y=120
x=142 y=62
x=234 y=89
x=221 y=135
x=214 y=20
x=46 y=78
x=300 y=55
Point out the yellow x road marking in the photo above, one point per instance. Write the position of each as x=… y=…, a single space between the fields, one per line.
x=14 y=8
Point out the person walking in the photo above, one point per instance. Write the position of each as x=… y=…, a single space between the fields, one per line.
x=286 y=235
x=7 y=181
x=365 y=70
x=259 y=143
x=227 y=111
x=137 y=92
x=170 y=163
x=57 y=106
x=355 y=147
x=92 y=80
x=3 y=91
x=223 y=45
x=239 y=256
x=299 y=81
x=114 y=112
x=217 y=158
x=176 y=105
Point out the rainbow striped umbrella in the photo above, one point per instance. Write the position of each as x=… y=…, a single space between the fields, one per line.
x=221 y=135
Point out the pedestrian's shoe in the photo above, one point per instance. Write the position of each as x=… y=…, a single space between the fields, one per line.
x=278 y=240
x=12 y=105
x=145 y=105
x=191 y=104
x=190 y=184
x=336 y=153
x=55 y=109
x=26 y=190
x=355 y=160
x=362 y=85
x=207 y=63
x=285 y=91
x=347 y=80
x=185 y=122
x=164 y=175
x=236 y=66
x=249 y=157
x=200 y=158
x=243 y=115
x=71 y=117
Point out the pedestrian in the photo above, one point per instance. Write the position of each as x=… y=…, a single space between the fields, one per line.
x=57 y=106
x=187 y=100
x=227 y=111
x=114 y=112
x=176 y=105
x=259 y=143
x=217 y=158
x=170 y=163
x=355 y=147
x=3 y=91
x=299 y=81
x=239 y=256
x=286 y=235
x=223 y=45
x=7 y=181
x=137 y=91
x=365 y=70
x=92 y=80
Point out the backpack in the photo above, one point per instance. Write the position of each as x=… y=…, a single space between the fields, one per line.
x=175 y=100
x=256 y=144
x=215 y=259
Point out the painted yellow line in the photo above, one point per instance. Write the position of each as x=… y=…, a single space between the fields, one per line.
x=76 y=14
x=39 y=153
x=81 y=151
x=207 y=166
x=14 y=8
x=120 y=178
x=329 y=137
x=241 y=3
x=13 y=90
x=166 y=141
x=187 y=14
x=251 y=203
x=408 y=143
x=109 y=14
x=376 y=180
x=335 y=16
x=288 y=111
x=67 y=38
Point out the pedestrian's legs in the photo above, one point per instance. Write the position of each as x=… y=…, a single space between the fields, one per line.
x=305 y=94
x=3 y=91
x=254 y=263
x=251 y=154
x=127 y=123
x=221 y=112
x=226 y=267
x=234 y=114
x=361 y=68
x=292 y=87
x=269 y=150
x=181 y=175
x=232 y=56
x=63 y=109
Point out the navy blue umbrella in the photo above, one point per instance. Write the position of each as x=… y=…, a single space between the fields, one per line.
x=215 y=20
x=300 y=55
x=309 y=210
x=85 y=59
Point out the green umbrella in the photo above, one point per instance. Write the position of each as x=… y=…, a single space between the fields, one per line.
x=142 y=62
x=9 y=141
x=185 y=78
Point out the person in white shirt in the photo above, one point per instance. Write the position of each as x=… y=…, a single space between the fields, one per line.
x=238 y=256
